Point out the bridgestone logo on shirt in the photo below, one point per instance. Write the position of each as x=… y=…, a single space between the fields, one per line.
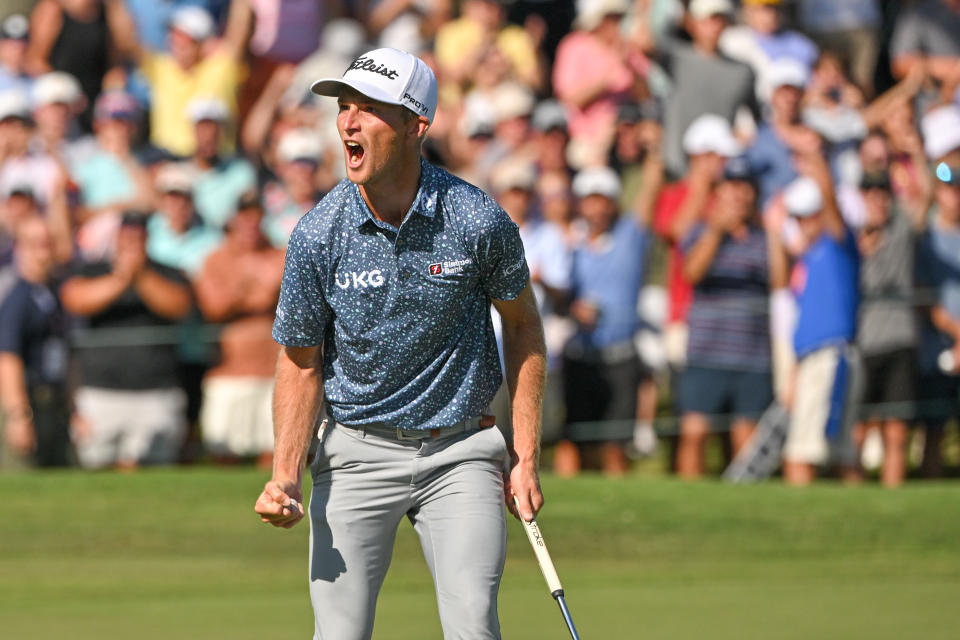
x=364 y=63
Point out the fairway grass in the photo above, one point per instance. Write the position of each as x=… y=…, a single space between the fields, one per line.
x=180 y=554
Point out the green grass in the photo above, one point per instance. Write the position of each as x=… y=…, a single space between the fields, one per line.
x=180 y=554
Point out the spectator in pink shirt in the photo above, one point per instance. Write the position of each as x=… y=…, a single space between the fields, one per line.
x=596 y=70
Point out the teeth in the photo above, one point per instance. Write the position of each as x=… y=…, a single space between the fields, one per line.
x=352 y=145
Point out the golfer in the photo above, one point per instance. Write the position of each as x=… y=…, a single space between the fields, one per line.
x=384 y=314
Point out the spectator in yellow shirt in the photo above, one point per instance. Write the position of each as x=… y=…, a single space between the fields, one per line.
x=461 y=42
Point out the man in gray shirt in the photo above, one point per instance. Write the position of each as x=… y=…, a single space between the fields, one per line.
x=704 y=81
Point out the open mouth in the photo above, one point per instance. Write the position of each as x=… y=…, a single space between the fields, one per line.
x=354 y=153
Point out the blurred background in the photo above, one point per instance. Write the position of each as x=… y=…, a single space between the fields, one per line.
x=742 y=221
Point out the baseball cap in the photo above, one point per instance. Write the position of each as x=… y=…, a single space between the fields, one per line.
x=710 y=134
x=175 y=178
x=787 y=72
x=299 y=144
x=639 y=111
x=513 y=174
x=56 y=87
x=133 y=218
x=207 y=108
x=15 y=27
x=115 y=105
x=707 y=8
x=512 y=100
x=388 y=75
x=738 y=168
x=549 y=114
x=803 y=197
x=590 y=13
x=941 y=131
x=875 y=180
x=602 y=181
x=14 y=104
x=193 y=21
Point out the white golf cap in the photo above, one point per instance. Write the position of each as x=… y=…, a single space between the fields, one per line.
x=391 y=76
x=591 y=181
x=941 y=131
x=710 y=133
x=512 y=100
x=590 y=13
x=14 y=104
x=300 y=144
x=193 y=21
x=513 y=174
x=787 y=72
x=207 y=108
x=175 y=177
x=549 y=114
x=56 y=87
x=707 y=8
x=803 y=197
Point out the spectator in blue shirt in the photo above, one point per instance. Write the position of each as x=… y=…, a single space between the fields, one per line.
x=601 y=366
x=732 y=264
x=826 y=284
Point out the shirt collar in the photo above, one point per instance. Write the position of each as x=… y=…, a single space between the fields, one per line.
x=425 y=203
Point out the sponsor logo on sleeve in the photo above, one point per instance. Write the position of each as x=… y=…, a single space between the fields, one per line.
x=449 y=267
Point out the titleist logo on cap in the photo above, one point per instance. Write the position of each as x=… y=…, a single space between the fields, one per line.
x=364 y=63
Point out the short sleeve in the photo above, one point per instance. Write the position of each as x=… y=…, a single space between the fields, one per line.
x=302 y=312
x=12 y=317
x=503 y=265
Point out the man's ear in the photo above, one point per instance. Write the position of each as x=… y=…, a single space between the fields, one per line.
x=421 y=124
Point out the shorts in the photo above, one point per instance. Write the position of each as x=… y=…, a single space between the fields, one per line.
x=601 y=392
x=236 y=415
x=142 y=427
x=890 y=385
x=938 y=399
x=823 y=414
x=744 y=394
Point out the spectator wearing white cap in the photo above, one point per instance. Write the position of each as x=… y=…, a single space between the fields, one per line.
x=596 y=70
x=14 y=38
x=300 y=169
x=938 y=270
x=197 y=65
x=513 y=106
x=708 y=142
x=601 y=368
x=221 y=177
x=826 y=283
x=551 y=137
x=545 y=248
x=733 y=265
x=781 y=134
x=176 y=235
x=33 y=172
x=57 y=101
x=762 y=40
x=78 y=37
x=703 y=80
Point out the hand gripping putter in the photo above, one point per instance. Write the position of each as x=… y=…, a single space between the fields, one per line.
x=546 y=566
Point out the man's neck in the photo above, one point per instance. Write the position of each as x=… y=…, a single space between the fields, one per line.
x=945 y=223
x=390 y=199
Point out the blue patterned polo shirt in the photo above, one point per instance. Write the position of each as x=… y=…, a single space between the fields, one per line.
x=403 y=314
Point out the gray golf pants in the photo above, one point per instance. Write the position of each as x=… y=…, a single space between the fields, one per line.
x=450 y=488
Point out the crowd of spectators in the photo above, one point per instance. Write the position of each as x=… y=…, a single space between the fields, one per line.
x=723 y=205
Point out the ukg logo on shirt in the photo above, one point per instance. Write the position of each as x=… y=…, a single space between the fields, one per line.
x=360 y=280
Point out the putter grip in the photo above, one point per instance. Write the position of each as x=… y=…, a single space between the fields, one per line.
x=543 y=556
